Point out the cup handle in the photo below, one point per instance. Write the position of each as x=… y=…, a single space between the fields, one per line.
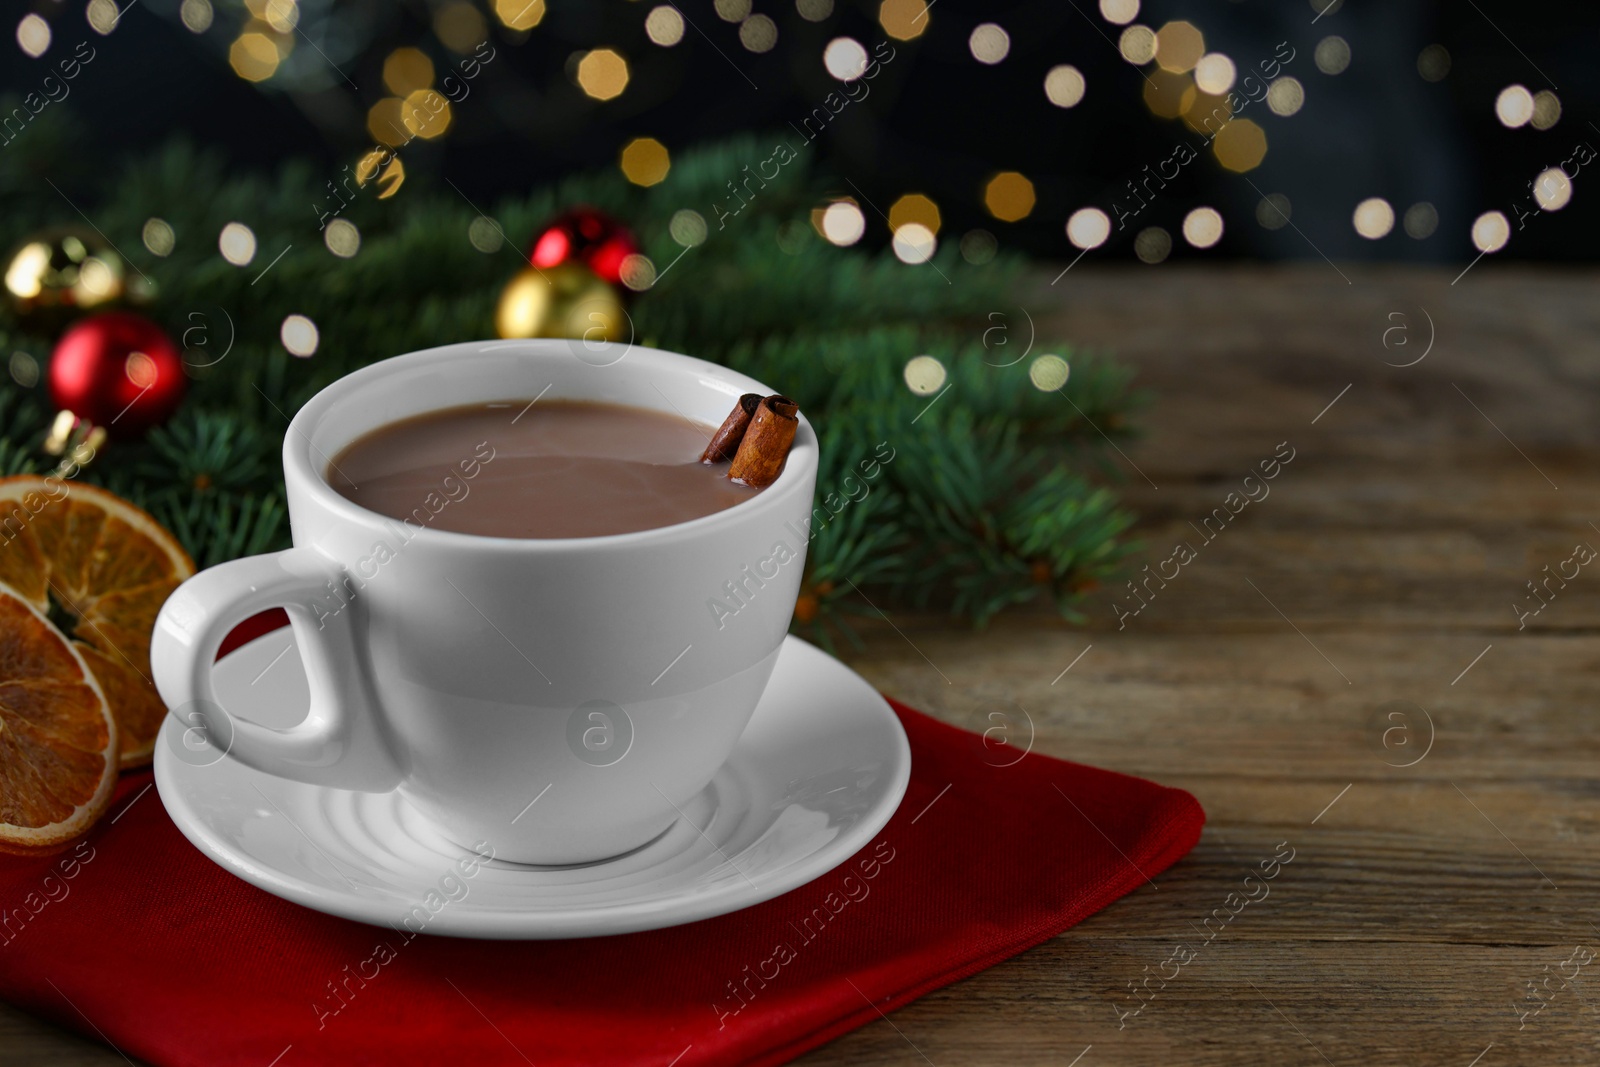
x=340 y=743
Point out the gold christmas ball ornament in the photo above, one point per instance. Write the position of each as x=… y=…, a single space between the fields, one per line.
x=566 y=300
x=57 y=272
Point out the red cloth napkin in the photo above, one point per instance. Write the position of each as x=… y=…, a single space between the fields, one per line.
x=136 y=938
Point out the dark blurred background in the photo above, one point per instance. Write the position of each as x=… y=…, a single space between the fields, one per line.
x=1444 y=111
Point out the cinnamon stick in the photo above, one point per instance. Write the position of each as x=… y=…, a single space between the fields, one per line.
x=725 y=442
x=766 y=443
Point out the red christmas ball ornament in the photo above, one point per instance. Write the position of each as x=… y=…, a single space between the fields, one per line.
x=118 y=371
x=591 y=237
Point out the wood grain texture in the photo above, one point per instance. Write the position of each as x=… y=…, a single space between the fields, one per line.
x=1387 y=557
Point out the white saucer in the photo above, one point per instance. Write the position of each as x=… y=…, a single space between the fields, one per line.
x=819 y=770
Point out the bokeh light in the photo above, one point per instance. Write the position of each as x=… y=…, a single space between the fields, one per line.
x=1373 y=218
x=1048 y=373
x=1064 y=85
x=842 y=223
x=845 y=58
x=1202 y=227
x=1433 y=63
x=1490 y=232
x=1332 y=55
x=196 y=15
x=519 y=14
x=1179 y=46
x=484 y=234
x=924 y=375
x=1137 y=45
x=237 y=242
x=979 y=247
x=1514 y=106
x=1546 y=109
x=688 y=228
x=1285 y=96
x=459 y=26
x=1152 y=245
x=914 y=243
x=1214 y=73
x=814 y=10
x=299 y=336
x=406 y=70
x=1119 y=12
x=103 y=16
x=1552 y=189
x=1088 y=227
x=158 y=236
x=1274 y=211
x=732 y=10
x=1167 y=94
x=1009 y=196
x=33 y=35
x=989 y=44
x=603 y=74
x=254 y=56
x=281 y=15
x=342 y=238
x=1241 y=145
x=664 y=25
x=1421 y=220
x=426 y=114
x=645 y=161
x=758 y=34
x=914 y=207
x=903 y=20
x=637 y=271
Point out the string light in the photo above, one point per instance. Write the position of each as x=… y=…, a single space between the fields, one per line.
x=1332 y=55
x=603 y=74
x=664 y=25
x=237 y=242
x=33 y=34
x=1009 y=196
x=299 y=336
x=1273 y=211
x=645 y=161
x=1373 y=218
x=924 y=375
x=845 y=58
x=1490 y=232
x=1421 y=220
x=903 y=20
x=1064 y=85
x=1202 y=227
x=989 y=43
x=1088 y=228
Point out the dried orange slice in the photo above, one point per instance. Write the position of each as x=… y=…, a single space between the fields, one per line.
x=100 y=568
x=58 y=738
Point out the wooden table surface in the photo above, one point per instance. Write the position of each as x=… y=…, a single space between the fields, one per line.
x=1360 y=618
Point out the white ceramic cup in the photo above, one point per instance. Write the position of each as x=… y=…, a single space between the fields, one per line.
x=559 y=699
